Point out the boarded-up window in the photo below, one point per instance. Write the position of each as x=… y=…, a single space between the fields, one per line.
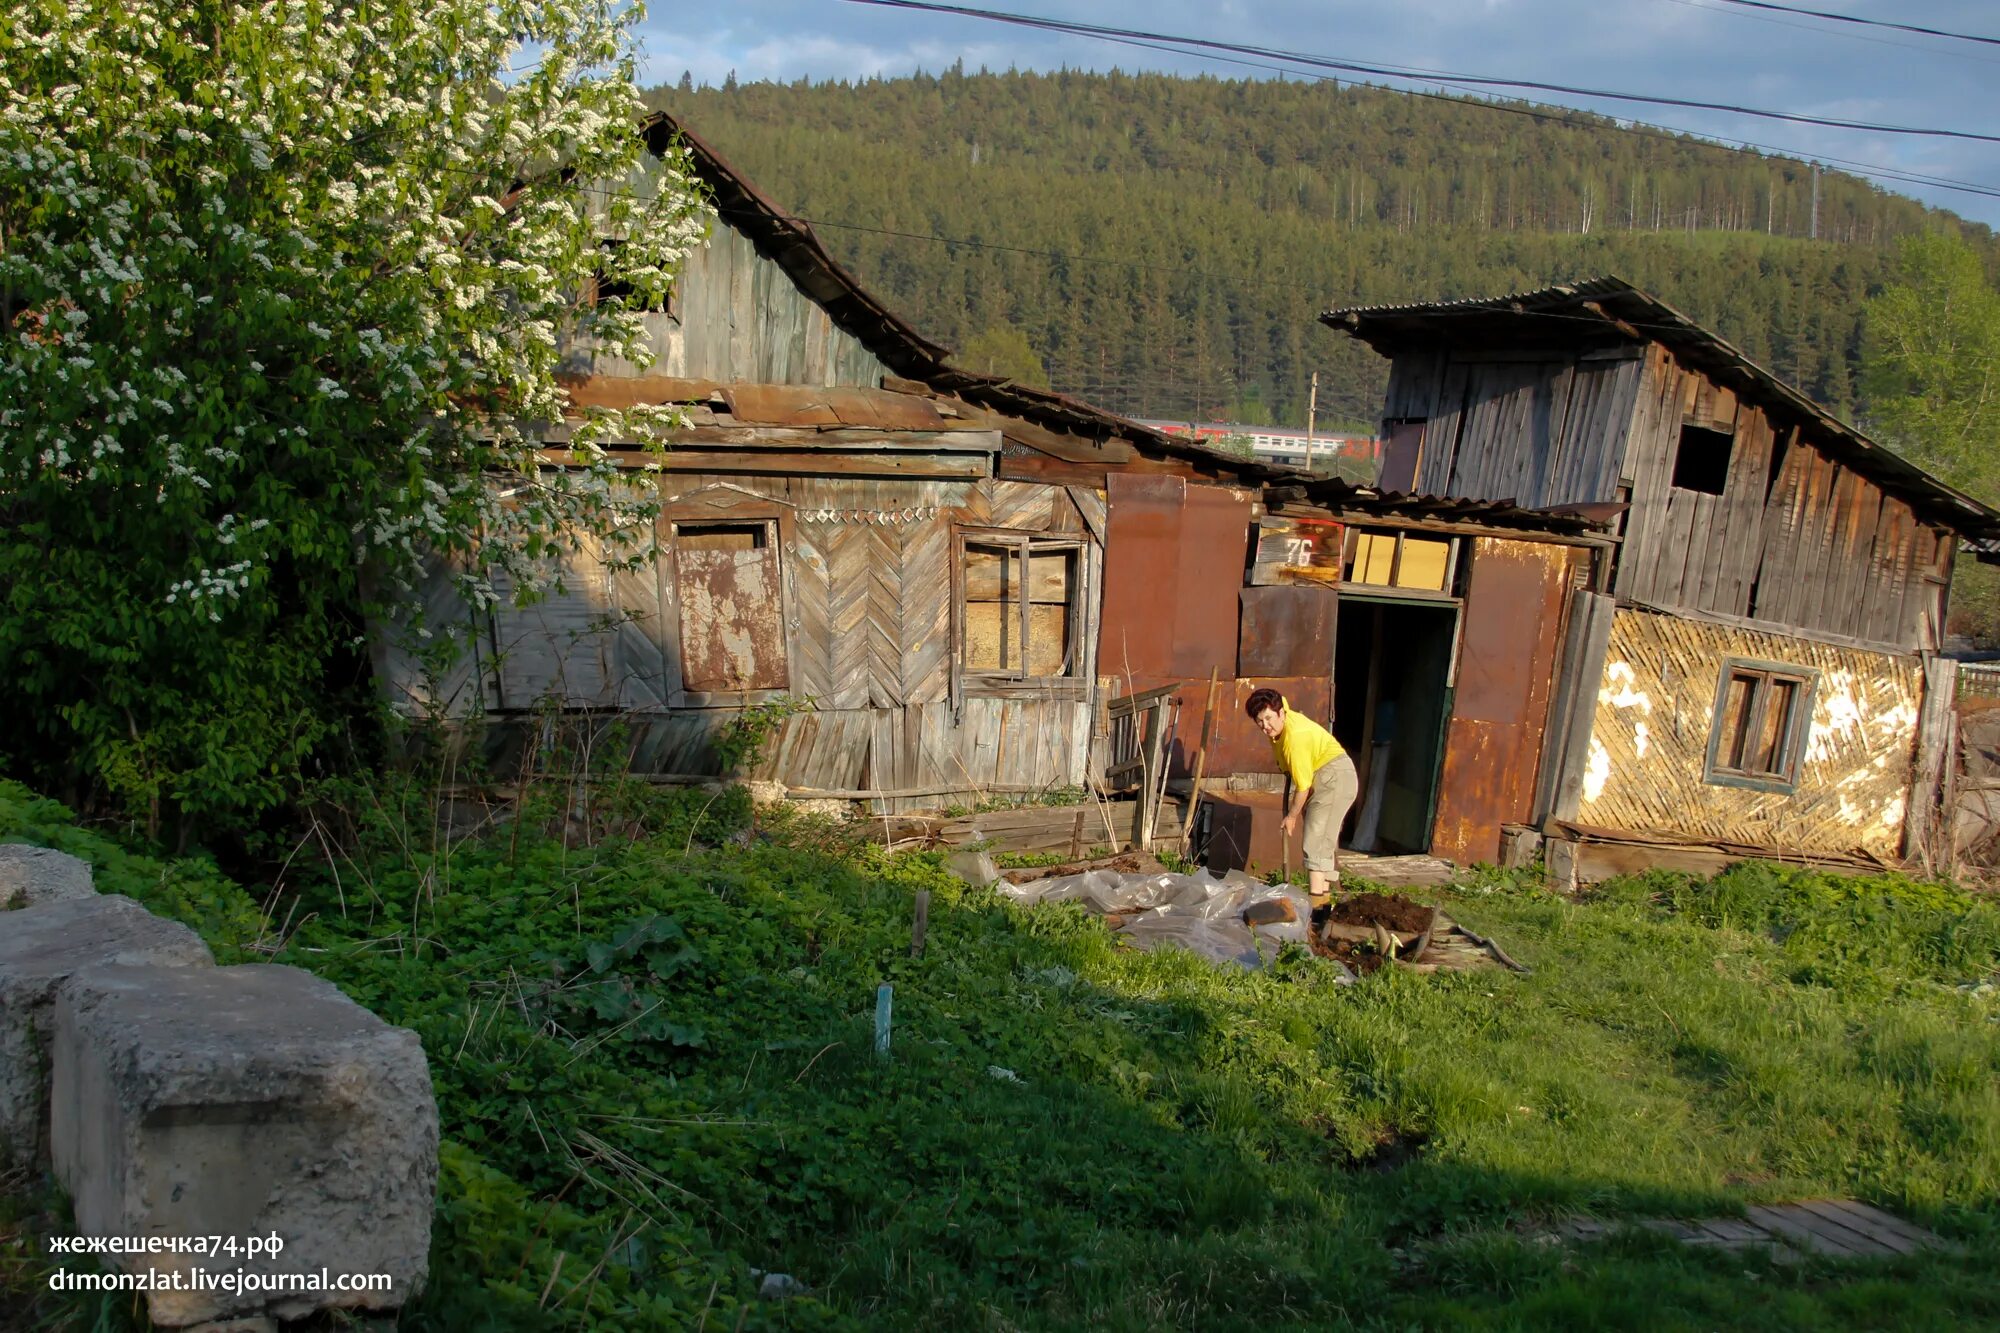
x=1019 y=614
x=731 y=607
x=1402 y=454
x=1763 y=714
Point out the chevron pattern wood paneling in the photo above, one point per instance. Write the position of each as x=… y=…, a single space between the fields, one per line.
x=926 y=612
x=848 y=550
x=1020 y=504
x=884 y=568
x=812 y=633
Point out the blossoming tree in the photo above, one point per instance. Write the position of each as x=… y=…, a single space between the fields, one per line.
x=284 y=286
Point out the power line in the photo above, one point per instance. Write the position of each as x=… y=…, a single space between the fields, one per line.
x=1866 y=23
x=1714 y=6
x=1415 y=72
x=1478 y=98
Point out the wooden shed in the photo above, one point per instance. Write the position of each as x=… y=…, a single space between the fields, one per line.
x=1758 y=669
x=917 y=549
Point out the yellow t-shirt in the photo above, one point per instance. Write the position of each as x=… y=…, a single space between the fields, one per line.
x=1302 y=747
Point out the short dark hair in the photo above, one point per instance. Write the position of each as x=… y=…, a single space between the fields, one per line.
x=1262 y=699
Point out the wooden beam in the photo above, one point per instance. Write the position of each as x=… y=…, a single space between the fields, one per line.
x=1377 y=519
x=640 y=390
x=849 y=463
x=1770 y=627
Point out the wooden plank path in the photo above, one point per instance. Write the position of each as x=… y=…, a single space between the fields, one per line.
x=1397 y=872
x=1831 y=1228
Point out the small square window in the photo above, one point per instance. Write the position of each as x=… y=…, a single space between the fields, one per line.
x=1701 y=462
x=1763 y=715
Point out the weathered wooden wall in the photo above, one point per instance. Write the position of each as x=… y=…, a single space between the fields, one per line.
x=1539 y=430
x=1795 y=538
x=739 y=316
x=868 y=588
x=1649 y=740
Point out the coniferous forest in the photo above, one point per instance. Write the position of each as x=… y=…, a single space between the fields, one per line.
x=1163 y=244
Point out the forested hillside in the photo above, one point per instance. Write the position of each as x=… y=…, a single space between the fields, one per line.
x=1164 y=243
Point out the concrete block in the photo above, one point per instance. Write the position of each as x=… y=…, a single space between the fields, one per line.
x=30 y=876
x=253 y=1101
x=40 y=947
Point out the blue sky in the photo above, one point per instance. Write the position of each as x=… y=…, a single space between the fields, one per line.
x=1701 y=49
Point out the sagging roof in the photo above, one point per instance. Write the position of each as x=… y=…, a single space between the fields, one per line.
x=791 y=243
x=1611 y=310
x=1332 y=493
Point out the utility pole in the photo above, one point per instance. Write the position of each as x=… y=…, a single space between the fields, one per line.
x=1312 y=411
x=1815 y=212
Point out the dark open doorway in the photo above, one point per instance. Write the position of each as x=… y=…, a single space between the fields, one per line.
x=1392 y=697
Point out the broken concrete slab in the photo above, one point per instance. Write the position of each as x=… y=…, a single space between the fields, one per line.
x=253 y=1101
x=30 y=876
x=40 y=948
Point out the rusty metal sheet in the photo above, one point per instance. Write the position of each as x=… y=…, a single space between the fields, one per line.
x=1243 y=832
x=1141 y=559
x=732 y=635
x=1214 y=552
x=1286 y=631
x=1174 y=555
x=1234 y=743
x=1493 y=745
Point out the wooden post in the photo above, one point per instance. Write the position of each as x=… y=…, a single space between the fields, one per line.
x=922 y=920
x=883 y=1000
x=1284 y=833
x=1200 y=759
x=1076 y=836
x=1312 y=410
x=1155 y=794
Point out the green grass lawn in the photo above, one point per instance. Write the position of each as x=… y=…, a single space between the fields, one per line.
x=654 y=1064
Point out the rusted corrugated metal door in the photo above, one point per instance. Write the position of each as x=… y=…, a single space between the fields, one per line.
x=1507 y=654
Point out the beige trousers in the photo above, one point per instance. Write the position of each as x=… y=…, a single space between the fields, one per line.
x=1332 y=793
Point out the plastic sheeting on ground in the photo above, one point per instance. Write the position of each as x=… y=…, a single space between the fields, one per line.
x=1198 y=912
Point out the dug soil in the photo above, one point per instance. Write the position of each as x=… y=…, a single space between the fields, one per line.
x=1360 y=958
x=1390 y=910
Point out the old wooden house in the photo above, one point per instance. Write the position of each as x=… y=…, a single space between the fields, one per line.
x=1753 y=664
x=849 y=519
x=965 y=577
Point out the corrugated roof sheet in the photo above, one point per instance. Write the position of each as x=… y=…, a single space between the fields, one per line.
x=1335 y=493
x=1614 y=307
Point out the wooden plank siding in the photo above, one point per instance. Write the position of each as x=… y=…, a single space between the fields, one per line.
x=1655 y=709
x=867 y=567
x=1794 y=539
x=739 y=316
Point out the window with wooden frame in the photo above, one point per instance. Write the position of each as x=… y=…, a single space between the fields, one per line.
x=1414 y=561
x=1763 y=714
x=731 y=599
x=1018 y=615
